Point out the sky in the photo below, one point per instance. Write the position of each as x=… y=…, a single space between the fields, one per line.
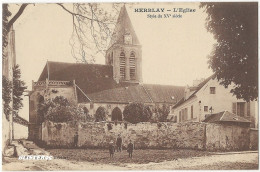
x=174 y=50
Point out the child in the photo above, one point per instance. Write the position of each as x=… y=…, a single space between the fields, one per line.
x=111 y=149
x=130 y=149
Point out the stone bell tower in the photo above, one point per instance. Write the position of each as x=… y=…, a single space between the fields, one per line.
x=125 y=52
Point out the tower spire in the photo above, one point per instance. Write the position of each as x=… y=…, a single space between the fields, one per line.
x=123 y=27
x=125 y=52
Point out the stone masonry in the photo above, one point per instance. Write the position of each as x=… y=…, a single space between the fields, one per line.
x=191 y=135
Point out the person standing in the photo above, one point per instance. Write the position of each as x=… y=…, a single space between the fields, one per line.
x=130 y=149
x=111 y=149
x=119 y=143
x=76 y=137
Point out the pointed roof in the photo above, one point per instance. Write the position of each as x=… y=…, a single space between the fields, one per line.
x=123 y=27
x=195 y=90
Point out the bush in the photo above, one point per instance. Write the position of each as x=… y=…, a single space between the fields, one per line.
x=59 y=109
x=161 y=113
x=100 y=114
x=137 y=112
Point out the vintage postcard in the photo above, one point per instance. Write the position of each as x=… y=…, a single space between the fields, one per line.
x=130 y=86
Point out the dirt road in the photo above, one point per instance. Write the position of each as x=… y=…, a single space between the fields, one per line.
x=218 y=161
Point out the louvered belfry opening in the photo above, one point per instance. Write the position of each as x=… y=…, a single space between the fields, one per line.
x=132 y=65
x=122 y=65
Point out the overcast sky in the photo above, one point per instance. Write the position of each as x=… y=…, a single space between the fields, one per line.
x=174 y=50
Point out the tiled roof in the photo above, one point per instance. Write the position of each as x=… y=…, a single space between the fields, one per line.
x=225 y=116
x=121 y=95
x=20 y=120
x=147 y=93
x=165 y=93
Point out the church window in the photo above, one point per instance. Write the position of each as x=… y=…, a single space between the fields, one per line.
x=122 y=65
x=132 y=66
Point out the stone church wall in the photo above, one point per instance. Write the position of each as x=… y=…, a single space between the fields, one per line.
x=191 y=135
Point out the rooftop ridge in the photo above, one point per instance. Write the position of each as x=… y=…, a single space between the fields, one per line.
x=76 y=63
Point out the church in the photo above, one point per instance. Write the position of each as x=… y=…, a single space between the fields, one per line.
x=112 y=86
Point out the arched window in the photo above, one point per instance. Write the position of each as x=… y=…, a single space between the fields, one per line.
x=116 y=114
x=100 y=114
x=132 y=66
x=122 y=65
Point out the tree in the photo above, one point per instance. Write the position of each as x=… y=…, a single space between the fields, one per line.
x=235 y=55
x=18 y=89
x=59 y=109
x=5 y=30
x=6 y=96
x=137 y=112
x=161 y=113
x=100 y=114
x=17 y=86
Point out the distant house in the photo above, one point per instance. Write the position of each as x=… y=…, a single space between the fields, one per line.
x=209 y=97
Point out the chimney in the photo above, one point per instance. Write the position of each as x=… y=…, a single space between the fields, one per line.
x=196 y=82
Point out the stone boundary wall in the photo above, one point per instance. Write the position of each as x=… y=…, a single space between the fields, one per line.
x=253 y=139
x=227 y=137
x=190 y=135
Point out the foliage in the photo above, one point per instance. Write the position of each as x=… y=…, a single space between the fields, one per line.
x=59 y=109
x=6 y=15
x=100 y=114
x=234 y=57
x=161 y=113
x=18 y=89
x=6 y=95
x=15 y=88
x=137 y=112
x=86 y=116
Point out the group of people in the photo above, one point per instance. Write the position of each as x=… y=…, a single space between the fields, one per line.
x=119 y=141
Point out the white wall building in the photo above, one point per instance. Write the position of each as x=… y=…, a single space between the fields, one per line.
x=210 y=97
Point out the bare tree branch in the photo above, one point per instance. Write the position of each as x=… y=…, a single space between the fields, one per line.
x=16 y=16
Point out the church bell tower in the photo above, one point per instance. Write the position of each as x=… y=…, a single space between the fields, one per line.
x=125 y=52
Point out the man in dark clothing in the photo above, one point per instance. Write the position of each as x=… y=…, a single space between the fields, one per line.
x=76 y=137
x=119 y=143
x=111 y=149
x=130 y=149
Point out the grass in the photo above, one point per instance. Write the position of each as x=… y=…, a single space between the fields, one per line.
x=140 y=156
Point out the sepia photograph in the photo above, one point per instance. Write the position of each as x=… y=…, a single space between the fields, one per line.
x=130 y=86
